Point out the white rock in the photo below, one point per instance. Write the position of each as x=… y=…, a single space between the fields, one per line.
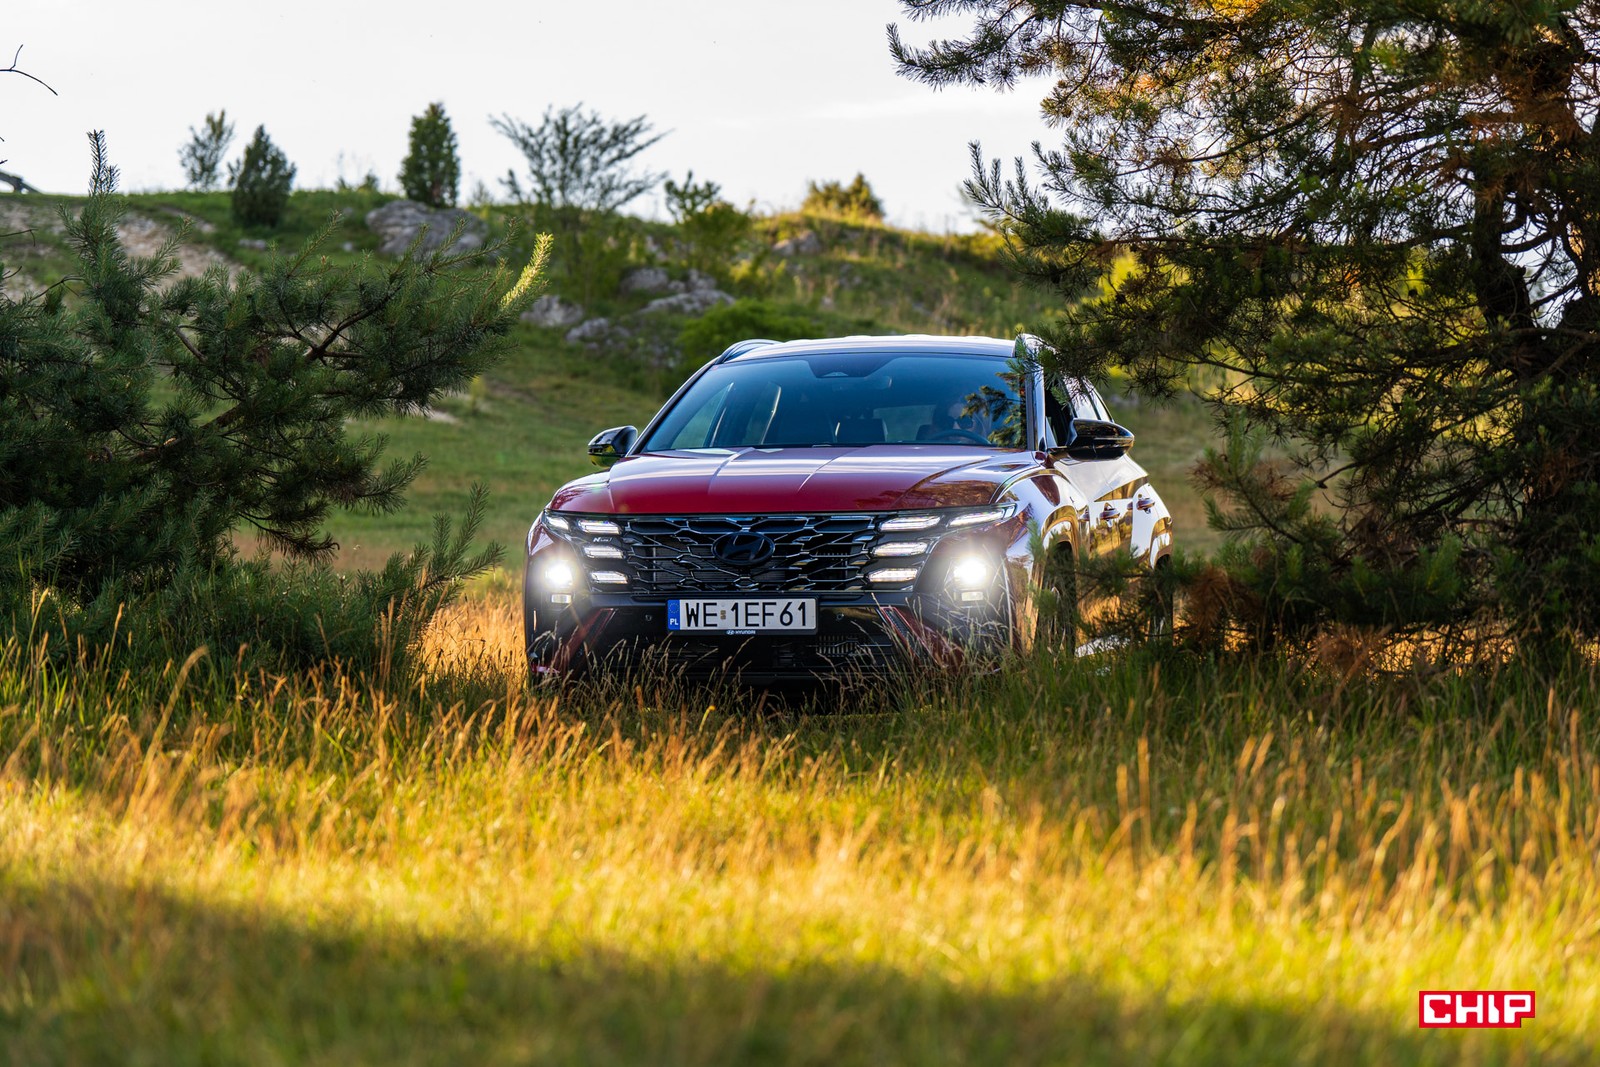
x=697 y=302
x=553 y=312
x=645 y=280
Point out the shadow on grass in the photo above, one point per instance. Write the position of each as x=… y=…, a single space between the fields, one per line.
x=95 y=973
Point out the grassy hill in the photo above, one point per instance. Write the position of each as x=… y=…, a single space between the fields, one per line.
x=521 y=430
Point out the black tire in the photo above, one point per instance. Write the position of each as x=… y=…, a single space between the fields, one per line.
x=1058 y=606
x=1164 y=608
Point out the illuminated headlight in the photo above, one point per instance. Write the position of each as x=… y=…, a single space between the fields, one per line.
x=971 y=572
x=599 y=526
x=602 y=551
x=910 y=522
x=901 y=548
x=556 y=522
x=892 y=574
x=982 y=518
x=610 y=577
x=558 y=575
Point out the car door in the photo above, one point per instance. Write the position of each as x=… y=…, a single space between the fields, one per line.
x=1108 y=487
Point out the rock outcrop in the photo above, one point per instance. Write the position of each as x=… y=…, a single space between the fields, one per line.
x=398 y=223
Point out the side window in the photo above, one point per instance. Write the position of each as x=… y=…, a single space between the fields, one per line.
x=1057 y=415
x=1071 y=399
x=1095 y=403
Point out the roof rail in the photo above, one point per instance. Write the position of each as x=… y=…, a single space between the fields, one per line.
x=739 y=348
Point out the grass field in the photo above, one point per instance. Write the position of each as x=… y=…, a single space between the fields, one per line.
x=1130 y=861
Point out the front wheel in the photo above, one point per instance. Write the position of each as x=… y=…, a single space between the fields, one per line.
x=1058 y=600
x=1163 y=603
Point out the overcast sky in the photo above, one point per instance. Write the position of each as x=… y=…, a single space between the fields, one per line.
x=759 y=95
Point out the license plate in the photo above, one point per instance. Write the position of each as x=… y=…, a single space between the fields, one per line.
x=751 y=616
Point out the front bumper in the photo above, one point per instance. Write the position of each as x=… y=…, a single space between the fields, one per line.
x=861 y=636
x=577 y=626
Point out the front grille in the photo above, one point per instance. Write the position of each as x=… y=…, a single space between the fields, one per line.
x=670 y=554
x=812 y=553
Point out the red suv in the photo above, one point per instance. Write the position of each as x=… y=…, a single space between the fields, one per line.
x=835 y=508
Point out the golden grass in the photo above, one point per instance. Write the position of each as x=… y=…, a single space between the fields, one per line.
x=1226 y=865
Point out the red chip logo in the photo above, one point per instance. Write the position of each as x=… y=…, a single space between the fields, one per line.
x=1474 y=1009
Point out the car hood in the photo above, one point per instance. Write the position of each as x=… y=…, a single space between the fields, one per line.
x=789 y=480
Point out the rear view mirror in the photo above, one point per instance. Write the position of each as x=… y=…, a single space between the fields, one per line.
x=608 y=446
x=1097 y=439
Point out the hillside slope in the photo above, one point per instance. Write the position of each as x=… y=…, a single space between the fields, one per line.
x=521 y=430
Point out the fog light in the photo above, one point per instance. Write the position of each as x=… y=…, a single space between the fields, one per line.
x=970 y=572
x=559 y=575
x=971 y=596
x=560 y=598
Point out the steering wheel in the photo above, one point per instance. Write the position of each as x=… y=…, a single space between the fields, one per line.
x=959 y=434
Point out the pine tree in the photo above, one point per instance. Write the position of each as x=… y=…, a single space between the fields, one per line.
x=202 y=156
x=261 y=182
x=145 y=420
x=431 y=172
x=1370 y=231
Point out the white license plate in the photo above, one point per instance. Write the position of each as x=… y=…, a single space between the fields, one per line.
x=755 y=615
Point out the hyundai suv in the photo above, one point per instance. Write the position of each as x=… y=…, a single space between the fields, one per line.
x=833 y=508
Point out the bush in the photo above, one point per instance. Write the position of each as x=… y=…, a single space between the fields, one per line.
x=431 y=172
x=720 y=327
x=261 y=183
x=855 y=201
x=712 y=230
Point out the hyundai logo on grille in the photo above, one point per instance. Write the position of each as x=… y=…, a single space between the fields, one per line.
x=744 y=549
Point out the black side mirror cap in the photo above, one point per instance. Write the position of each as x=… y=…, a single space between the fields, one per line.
x=608 y=446
x=1097 y=439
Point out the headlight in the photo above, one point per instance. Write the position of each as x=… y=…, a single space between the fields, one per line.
x=892 y=574
x=909 y=522
x=901 y=548
x=986 y=517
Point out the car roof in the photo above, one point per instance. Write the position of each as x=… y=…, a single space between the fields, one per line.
x=990 y=347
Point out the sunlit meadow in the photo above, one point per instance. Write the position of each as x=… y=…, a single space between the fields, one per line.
x=1127 y=861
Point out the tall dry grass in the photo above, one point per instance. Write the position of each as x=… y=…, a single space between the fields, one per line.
x=1132 y=861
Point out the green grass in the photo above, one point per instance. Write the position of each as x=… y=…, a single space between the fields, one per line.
x=1131 y=862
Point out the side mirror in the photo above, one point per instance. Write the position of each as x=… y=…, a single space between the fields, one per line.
x=608 y=446
x=1097 y=439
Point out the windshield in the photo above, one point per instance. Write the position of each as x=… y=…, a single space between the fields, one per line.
x=855 y=398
